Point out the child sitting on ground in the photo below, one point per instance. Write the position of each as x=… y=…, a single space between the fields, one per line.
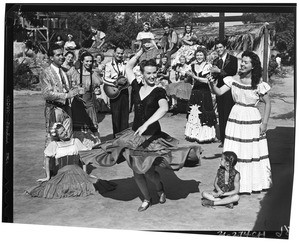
x=227 y=184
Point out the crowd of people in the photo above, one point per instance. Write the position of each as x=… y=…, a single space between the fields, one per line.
x=75 y=91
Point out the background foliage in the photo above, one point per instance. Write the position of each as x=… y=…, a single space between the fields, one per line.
x=123 y=27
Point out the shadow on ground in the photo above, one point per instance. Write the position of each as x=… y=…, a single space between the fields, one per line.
x=276 y=205
x=175 y=187
x=216 y=155
x=289 y=115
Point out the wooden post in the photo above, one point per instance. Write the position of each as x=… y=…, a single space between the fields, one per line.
x=80 y=37
x=221 y=20
x=266 y=49
x=221 y=27
x=48 y=40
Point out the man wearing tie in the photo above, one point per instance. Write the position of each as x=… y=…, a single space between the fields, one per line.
x=57 y=92
x=225 y=65
x=119 y=105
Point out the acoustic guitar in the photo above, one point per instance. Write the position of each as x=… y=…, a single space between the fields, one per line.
x=113 y=90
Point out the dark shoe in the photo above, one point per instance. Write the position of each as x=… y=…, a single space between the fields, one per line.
x=173 y=107
x=146 y=204
x=162 y=197
x=207 y=203
x=229 y=205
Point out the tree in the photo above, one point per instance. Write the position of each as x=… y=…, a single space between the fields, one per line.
x=180 y=18
x=123 y=31
x=284 y=27
x=156 y=19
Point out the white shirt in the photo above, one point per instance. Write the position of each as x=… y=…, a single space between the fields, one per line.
x=56 y=69
x=224 y=58
x=113 y=70
x=70 y=44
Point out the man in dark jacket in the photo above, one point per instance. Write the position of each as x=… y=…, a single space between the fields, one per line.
x=225 y=65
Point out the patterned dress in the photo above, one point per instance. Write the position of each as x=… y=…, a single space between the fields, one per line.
x=242 y=136
x=201 y=118
x=188 y=51
x=70 y=180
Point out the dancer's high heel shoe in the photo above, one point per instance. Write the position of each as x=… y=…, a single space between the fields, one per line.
x=162 y=194
x=146 y=204
x=162 y=197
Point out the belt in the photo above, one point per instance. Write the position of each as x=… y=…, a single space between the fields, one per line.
x=67 y=160
x=58 y=104
x=246 y=105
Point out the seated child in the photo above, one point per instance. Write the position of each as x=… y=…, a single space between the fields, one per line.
x=227 y=184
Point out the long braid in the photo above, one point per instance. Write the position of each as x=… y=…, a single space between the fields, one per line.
x=81 y=68
x=91 y=79
x=230 y=157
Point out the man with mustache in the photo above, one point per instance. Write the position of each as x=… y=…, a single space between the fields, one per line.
x=120 y=104
x=57 y=92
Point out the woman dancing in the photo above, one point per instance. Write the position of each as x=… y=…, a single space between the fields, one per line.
x=245 y=132
x=145 y=146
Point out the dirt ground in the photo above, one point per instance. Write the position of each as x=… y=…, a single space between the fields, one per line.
x=182 y=211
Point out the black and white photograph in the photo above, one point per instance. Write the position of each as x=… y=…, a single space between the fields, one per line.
x=175 y=119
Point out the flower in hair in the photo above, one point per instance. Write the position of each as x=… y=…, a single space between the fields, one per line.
x=53 y=128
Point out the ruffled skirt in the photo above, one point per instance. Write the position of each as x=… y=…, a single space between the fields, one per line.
x=70 y=181
x=199 y=133
x=88 y=138
x=187 y=51
x=150 y=53
x=242 y=136
x=141 y=152
x=202 y=118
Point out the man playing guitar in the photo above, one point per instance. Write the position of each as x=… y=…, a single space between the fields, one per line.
x=114 y=77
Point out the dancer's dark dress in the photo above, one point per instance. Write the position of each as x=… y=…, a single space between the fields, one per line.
x=154 y=147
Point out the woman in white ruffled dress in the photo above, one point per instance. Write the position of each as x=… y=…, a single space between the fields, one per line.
x=245 y=132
